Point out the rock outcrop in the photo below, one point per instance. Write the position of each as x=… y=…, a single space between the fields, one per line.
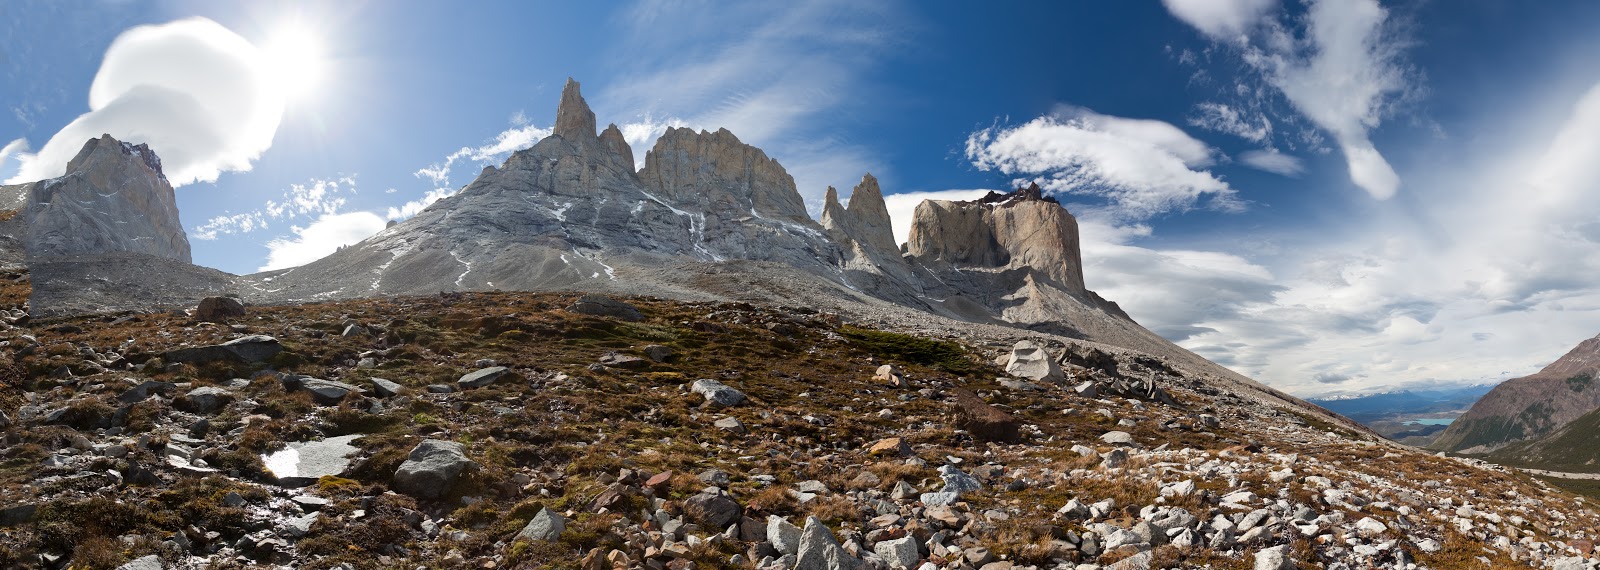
x=574 y=120
x=114 y=198
x=865 y=221
x=1532 y=406
x=1022 y=230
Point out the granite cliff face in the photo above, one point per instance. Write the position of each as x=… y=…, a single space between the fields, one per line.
x=1532 y=406
x=1022 y=230
x=113 y=198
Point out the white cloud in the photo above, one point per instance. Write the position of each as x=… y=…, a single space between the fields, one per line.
x=1223 y=20
x=1273 y=161
x=13 y=148
x=199 y=94
x=414 y=207
x=902 y=206
x=1493 y=279
x=317 y=197
x=1226 y=119
x=1142 y=168
x=1341 y=67
x=322 y=237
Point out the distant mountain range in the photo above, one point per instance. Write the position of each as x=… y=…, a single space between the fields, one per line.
x=1418 y=401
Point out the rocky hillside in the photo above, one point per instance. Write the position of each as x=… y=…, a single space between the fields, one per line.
x=1529 y=407
x=518 y=430
x=1571 y=448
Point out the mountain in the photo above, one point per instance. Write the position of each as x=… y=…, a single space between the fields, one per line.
x=571 y=213
x=105 y=236
x=1529 y=407
x=1573 y=448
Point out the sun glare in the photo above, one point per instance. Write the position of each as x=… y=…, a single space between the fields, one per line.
x=296 y=62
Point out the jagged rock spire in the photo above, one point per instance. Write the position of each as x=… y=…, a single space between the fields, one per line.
x=613 y=140
x=865 y=221
x=574 y=121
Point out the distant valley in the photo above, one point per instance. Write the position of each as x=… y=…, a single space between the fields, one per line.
x=1413 y=417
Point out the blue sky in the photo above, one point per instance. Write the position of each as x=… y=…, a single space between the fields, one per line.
x=1330 y=196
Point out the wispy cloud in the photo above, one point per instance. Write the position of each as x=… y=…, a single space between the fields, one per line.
x=1139 y=168
x=1505 y=250
x=1341 y=67
x=317 y=197
x=1274 y=162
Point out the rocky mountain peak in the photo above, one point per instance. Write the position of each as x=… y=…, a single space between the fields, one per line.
x=716 y=173
x=113 y=198
x=574 y=121
x=1018 y=230
x=106 y=148
x=865 y=220
x=613 y=141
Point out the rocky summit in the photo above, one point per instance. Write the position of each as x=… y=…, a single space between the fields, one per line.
x=577 y=363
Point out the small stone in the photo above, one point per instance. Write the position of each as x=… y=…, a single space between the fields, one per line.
x=1275 y=558
x=893 y=446
x=729 y=425
x=1117 y=438
x=484 y=377
x=658 y=353
x=385 y=388
x=716 y=393
x=898 y=553
x=545 y=526
x=623 y=361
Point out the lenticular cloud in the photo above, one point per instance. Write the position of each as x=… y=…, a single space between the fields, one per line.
x=196 y=92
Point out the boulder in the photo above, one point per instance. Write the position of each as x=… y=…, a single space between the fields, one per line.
x=983 y=421
x=890 y=375
x=603 y=306
x=204 y=400
x=624 y=361
x=148 y=562
x=1275 y=558
x=385 y=388
x=326 y=392
x=658 y=353
x=819 y=550
x=218 y=309
x=1117 y=438
x=545 y=526
x=784 y=536
x=712 y=510
x=249 y=349
x=716 y=393
x=893 y=446
x=146 y=389
x=898 y=553
x=1031 y=361
x=484 y=377
x=432 y=468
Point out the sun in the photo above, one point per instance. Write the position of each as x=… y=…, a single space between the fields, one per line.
x=296 y=62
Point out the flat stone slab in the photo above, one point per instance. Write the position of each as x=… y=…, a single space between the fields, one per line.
x=303 y=463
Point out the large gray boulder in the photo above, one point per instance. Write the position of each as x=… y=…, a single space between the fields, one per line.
x=254 y=348
x=819 y=550
x=1031 y=361
x=431 y=470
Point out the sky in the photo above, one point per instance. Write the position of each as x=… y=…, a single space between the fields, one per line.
x=1330 y=196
